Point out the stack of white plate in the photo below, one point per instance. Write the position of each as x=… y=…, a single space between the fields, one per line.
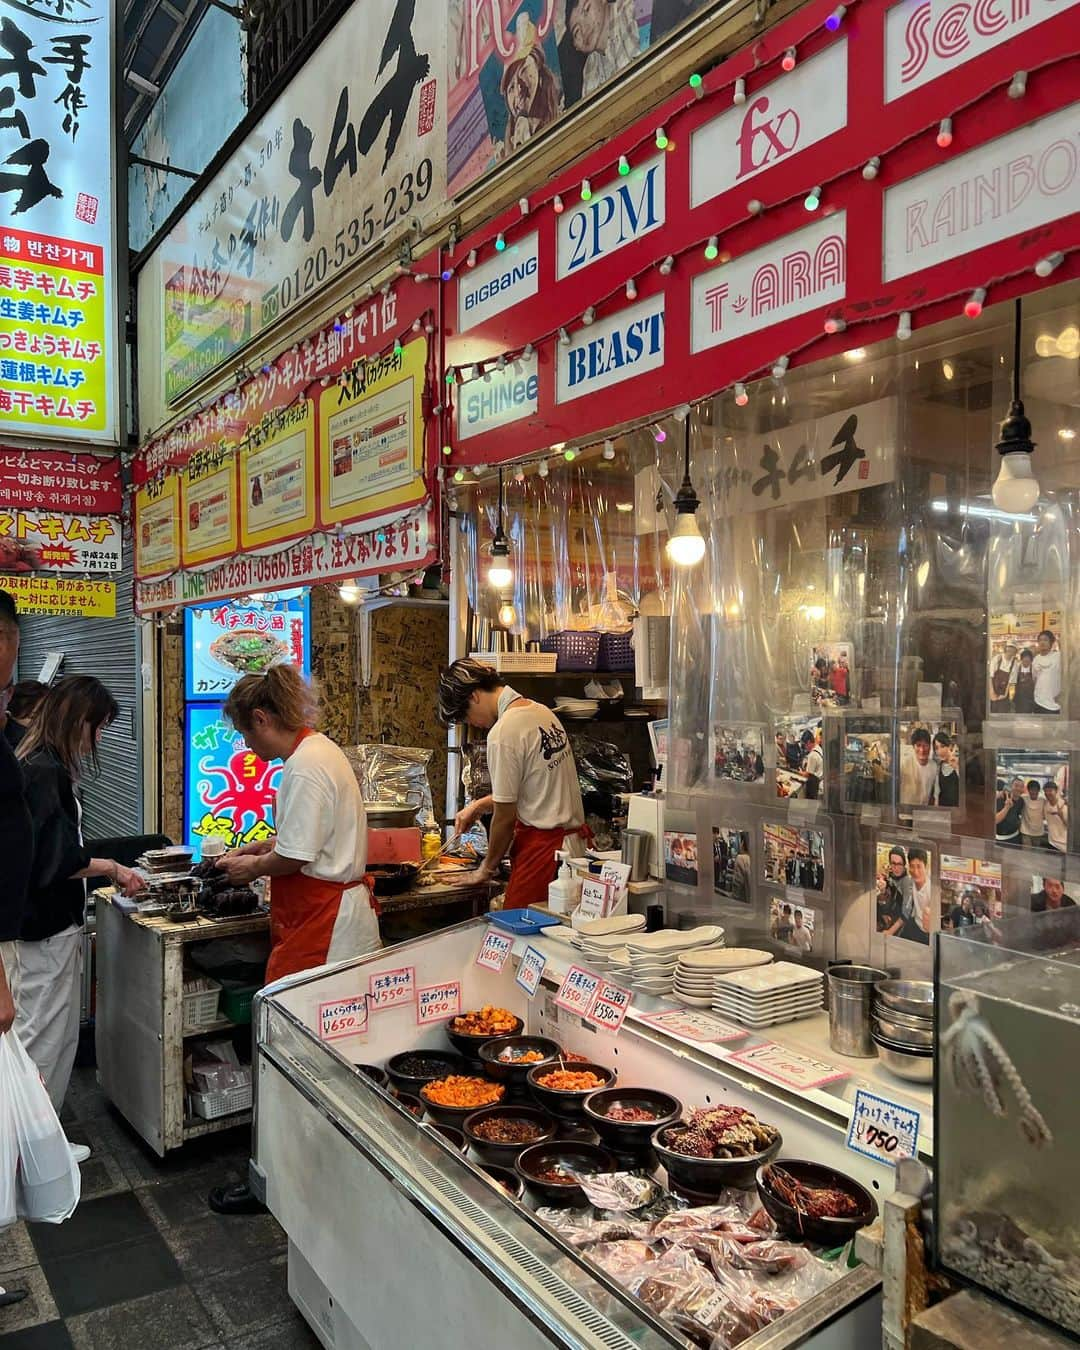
x=617 y=923
x=598 y=951
x=576 y=709
x=765 y=995
x=697 y=970
x=654 y=957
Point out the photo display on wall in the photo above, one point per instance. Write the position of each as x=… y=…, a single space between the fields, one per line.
x=1031 y=799
x=681 y=857
x=792 y=856
x=832 y=674
x=868 y=761
x=794 y=925
x=732 y=865
x=931 y=765
x=738 y=752
x=1025 y=662
x=800 y=756
x=970 y=893
x=904 y=890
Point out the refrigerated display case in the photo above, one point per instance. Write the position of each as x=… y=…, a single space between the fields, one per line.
x=393 y=1232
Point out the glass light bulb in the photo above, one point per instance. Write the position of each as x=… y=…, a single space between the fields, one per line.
x=507 y=614
x=1016 y=488
x=686 y=546
x=350 y=593
x=499 y=574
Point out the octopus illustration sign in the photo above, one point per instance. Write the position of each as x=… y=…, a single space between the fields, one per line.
x=229 y=792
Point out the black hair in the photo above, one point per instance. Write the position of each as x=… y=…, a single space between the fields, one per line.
x=458 y=683
x=1028 y=653
x=942 y=738
x=920 y=736
x=917 y=854
x=9 y=614
x=1047 y=633
x=1033 y=783
x=1050 y=783
x=897 y=852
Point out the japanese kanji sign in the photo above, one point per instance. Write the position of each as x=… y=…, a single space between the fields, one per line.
x=157 y=527
x=58 y=369
x=347 y=157
x=223 y=642
x=882 y=1130
x=60 y=481
x=229 y=791
x=37 y=593
x=51 y=541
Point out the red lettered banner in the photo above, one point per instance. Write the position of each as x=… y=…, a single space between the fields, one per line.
x=48 y=479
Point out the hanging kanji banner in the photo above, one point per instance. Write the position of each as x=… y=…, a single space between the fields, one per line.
x=58 y=348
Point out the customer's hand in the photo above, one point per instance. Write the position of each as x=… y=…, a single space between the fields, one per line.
x=127 y=880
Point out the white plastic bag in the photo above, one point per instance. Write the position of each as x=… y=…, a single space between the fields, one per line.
x=47 y=1181
x=9 y=1151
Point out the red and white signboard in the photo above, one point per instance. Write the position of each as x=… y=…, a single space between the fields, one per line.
x=577 y=991
x=392 y=988
x=49 y=541
x=609 y=1007
x=343 y=1017
x=788 y=1067
x=56 y=480
x=438 y=1002
x=494 y=950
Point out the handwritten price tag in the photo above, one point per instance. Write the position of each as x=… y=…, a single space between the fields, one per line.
x=695 y=1026
x=392 y=988
x=343 y=1017
x=882 y=1130
x=597 y=898
x=787 y=1067
x=530 y=970
x=577 y=991
x=437 y=1002
x=494 y=950
x=609 y=1007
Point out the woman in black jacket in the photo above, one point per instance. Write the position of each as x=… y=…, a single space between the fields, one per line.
x=63 y=734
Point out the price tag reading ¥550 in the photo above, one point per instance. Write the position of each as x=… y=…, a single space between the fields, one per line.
x=392 y=988
x=577 y=991
x=494 y=950
x=610 y=1007
x=437 y=1002
x=530 y=970
x=343 y=1017
x=882 y=1130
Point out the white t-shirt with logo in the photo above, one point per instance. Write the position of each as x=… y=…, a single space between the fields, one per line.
x=1047 y=680
x=532 y=765
x=320 y=812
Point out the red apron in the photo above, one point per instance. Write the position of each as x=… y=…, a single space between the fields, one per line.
x=533 y=864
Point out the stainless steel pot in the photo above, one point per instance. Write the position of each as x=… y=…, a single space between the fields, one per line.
x=390 y=815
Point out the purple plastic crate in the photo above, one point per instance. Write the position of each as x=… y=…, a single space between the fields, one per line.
x=575 y=650
x=616 y=652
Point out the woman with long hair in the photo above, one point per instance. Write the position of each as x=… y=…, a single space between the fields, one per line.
x=61 y=739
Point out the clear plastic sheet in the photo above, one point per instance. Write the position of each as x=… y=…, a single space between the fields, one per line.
x=393 y=774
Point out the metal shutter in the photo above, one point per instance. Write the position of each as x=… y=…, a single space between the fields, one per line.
x=109 y=649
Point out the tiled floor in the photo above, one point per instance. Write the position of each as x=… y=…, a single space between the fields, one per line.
x=143 y=1262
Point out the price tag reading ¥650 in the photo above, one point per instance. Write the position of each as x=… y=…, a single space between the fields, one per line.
x=437 y=1002
x=530 y=970
x=577 y=991
x=609 y=1007
x=494 y=950
x=343 y=1017
x=882 y=1130
x=392 y=988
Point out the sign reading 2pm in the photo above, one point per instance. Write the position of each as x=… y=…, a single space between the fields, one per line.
x=632 y=207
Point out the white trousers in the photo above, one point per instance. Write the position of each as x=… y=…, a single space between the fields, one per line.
x=46 y=985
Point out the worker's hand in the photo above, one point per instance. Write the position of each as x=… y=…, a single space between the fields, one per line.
x=467 y=817
x=255 y=850
x=477 y=877
x=7 y=1007
x=240 y=867
x=128 y=881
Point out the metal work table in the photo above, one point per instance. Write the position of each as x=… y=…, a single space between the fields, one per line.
x=140 y=1018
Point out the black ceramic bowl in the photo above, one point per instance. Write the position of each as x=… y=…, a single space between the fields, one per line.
x=506 y=1180
x=630 y=1136
x=503 y=1155
x=563 y=1104
x=451 y=1135
x=827 y=1232
x=456 y=1115
x=513 y=1073
x=410 y=1070
x=469 y=1046
x=410 y=1102
x=710 y=1175
x=538 y=1158
x=373 y=1072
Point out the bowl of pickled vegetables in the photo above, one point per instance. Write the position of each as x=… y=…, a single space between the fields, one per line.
x=509 y=1058
x=449 y=1100
x=625 y=1118
x=499 y=1133
x=549 y=1169
x=470 y=1030
x=562 y=1087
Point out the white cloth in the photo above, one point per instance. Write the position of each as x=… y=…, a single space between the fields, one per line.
x=1047 y=680
x=922 y=903
x=1033 y=820
x=46 y=984
x=320 y=812
x=532 y=766
x=1057 y=825
x=356 y=928
x=917 y=781
x=815 y=762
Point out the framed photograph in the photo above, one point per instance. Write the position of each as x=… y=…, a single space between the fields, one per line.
x=904 y=890
x=1031 y=799
x=680 y=857
x=792 y=856
x=793 y=925
x=931 y=771
x=737 y=751
x=1050 y=892
x=832 y=673
x=868 y=766
x=1024 y=663
x=800 y=756
x=732 y=868
x=970 y=893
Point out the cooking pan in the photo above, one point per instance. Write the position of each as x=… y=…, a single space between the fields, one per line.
x=393 y=878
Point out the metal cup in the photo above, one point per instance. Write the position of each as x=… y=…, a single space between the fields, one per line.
x=635 y=851
x=851 y=998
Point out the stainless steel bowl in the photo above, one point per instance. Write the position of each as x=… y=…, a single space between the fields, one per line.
x=904 y=1019
x=913 y=997
x=904 y=1035
x=915 y=1067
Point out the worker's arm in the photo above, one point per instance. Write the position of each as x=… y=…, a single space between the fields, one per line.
x=244 y=867
x=500 y=837
x=470 y=814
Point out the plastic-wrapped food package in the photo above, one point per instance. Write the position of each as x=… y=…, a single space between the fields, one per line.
x=617 y=1190
x=581 y=1229
x=393 y=774
x=705 y=1219
x=475 y=775
x=622 y=1260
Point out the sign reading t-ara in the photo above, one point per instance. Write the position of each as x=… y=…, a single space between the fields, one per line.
x=745 y=230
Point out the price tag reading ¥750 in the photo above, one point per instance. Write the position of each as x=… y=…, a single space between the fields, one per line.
x=530 y=970
x=437 y=1002
x=882 y=1130
x=343 y=1017
x=577 y=991
x=610 y=1007
x=494 y=950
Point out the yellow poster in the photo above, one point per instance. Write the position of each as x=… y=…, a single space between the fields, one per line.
x=277 y=474
x=157 y=527
x=36 y=593
x=372 y=438
x=208 y=516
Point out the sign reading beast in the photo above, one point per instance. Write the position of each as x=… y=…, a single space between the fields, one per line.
x=349 y=154
x=58 y=370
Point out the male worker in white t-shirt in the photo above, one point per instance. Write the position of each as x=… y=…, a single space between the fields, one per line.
x=535 y=797
x=1047 y=668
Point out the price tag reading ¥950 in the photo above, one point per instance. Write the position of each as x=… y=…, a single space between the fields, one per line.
x=530 y=970
x=437 y=1002
x=343 y=1017
x=577 y=991
x=882 y=1130
x=392 y=988
x=494 y=950
x=610 y=1007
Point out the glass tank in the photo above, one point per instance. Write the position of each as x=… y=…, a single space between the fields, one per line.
x=1007 y=1112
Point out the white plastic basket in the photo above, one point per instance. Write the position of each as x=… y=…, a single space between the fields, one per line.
x=201 y=1004
x=212 y=1105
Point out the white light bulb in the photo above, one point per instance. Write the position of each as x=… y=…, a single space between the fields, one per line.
x=870 y=168
x=686 y=546
x=631 y=289
x=667 y=265
x=903 y=326
x=739 y=96
x=589 y=315
x=780 y=369
x=523 y=205
x=543 y=470
x=1018 y=84
x=609 y=450
x=350 y=592
x=1049 y=264
x=1016 y=488
x=499 y=574
x=507 y=614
